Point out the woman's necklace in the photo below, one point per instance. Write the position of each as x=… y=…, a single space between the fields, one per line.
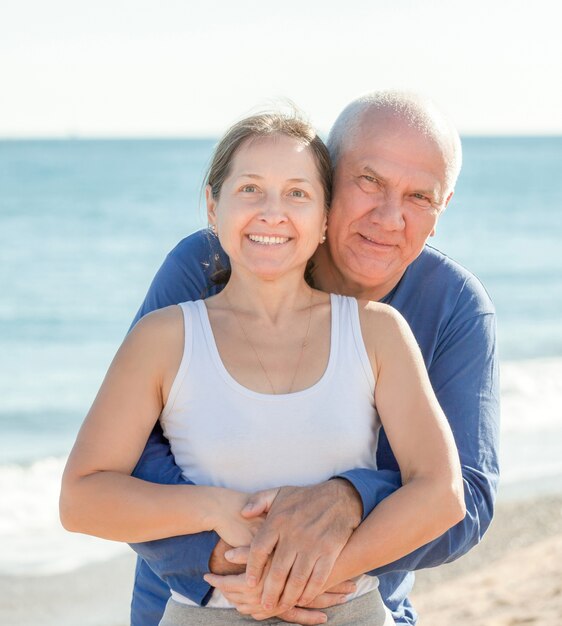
x=304 y=342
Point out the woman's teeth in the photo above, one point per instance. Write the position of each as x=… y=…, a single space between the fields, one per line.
x=268 y=240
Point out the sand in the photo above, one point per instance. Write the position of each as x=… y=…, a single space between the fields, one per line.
x=513 y=578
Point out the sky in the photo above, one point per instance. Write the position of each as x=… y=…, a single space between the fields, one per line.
x=164 y=68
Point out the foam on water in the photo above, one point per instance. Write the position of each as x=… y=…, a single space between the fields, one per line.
x=32 y=540
x=531 y=393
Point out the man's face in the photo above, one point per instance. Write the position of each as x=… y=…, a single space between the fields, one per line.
x=389 y=189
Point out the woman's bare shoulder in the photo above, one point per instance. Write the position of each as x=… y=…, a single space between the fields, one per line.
x=160 y=319
x=381 y=324
x=158 y=327
x=373 y=313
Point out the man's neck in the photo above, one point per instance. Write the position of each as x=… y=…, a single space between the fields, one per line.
x=328 y=278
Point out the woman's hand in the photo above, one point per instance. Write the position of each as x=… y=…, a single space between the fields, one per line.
x=247 y=600
x=227 y=520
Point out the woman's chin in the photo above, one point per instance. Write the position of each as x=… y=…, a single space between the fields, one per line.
x=269 y=271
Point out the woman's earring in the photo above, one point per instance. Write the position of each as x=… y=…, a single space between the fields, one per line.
x=323 y=239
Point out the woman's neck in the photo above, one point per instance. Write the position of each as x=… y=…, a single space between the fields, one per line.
x=271 y=300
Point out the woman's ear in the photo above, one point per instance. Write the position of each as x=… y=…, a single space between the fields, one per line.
x=324 y=229
x=211 y=205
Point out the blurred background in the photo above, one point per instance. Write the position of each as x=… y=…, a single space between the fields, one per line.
x=108 y=115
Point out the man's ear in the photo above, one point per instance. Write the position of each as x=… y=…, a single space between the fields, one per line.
x=211 y=205
x=432 y=233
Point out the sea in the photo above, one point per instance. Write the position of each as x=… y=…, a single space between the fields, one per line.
x=85 y=224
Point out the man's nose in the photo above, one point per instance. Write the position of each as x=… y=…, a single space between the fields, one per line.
x=388 y=213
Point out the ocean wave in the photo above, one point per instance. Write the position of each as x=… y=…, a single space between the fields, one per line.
x=531 y=395
x=32 y=539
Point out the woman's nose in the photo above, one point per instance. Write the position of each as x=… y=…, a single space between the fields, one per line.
x=273 y=211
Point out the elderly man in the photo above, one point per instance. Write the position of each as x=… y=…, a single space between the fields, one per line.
x=396 y=160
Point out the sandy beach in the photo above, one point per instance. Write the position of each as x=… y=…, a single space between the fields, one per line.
x=514 y=577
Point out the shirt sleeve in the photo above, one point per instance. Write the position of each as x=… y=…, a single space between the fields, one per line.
x=465 y=377
x=179 y=561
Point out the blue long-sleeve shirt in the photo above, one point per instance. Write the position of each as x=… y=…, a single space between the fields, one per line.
x=453 y=320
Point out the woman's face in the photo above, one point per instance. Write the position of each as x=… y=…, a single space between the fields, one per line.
x=270 y=213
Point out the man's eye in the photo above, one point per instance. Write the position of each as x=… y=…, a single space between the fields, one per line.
x=369 y=179
x=421 y=200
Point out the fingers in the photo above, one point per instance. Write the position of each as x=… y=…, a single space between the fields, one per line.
x=220 y=564
x=317 y=580
x=296 y=582
x=238 y=556
x=347 y=587
x=306 y=617
x=227 y=584
x=276 y=579
x=262 y=546
x=259 y=503
x=326 y=600
x=296 y=615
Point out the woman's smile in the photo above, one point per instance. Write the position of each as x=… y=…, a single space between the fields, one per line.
x=268 y=240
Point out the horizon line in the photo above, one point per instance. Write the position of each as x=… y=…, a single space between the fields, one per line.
x=184 y=137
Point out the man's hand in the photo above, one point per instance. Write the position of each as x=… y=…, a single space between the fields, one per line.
x=305 y=529
x=248 y=600
x=218 y=564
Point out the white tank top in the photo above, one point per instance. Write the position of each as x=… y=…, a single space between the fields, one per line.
x=226 y=435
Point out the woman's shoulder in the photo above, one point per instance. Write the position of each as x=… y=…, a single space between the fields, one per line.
x=378 y=312
x=158 y=326
x=381 y=324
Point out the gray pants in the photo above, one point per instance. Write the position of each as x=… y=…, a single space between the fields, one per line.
x=367 y=610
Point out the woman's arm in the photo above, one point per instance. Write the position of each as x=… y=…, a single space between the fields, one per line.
x=431 y=499
x=98 y=496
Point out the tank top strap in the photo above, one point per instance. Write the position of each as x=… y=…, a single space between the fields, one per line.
x=351 y=336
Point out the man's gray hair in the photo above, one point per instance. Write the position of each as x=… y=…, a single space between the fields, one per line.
x=418 y=112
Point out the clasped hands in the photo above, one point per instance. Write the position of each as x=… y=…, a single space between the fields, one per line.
x=285 y=570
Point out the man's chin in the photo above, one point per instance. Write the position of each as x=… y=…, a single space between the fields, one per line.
x=376 y=277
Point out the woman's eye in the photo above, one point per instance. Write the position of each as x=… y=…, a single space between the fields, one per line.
x=249 y=188
x=297 y=193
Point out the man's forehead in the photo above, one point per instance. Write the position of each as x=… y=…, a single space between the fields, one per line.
x=388 y=149
x=386 y=159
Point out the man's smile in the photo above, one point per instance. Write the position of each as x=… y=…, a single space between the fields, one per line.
x=377 y=243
